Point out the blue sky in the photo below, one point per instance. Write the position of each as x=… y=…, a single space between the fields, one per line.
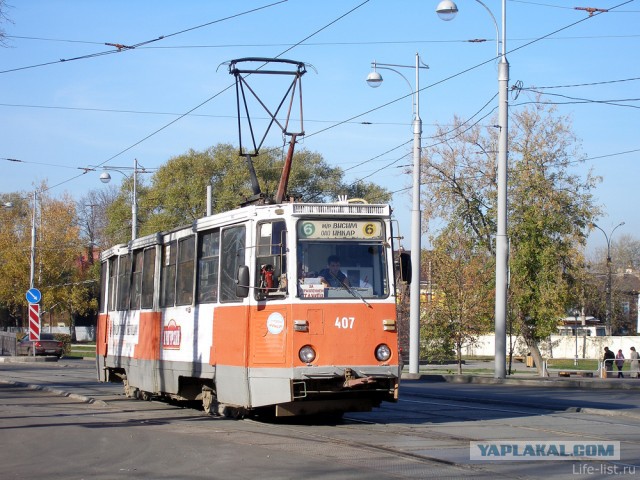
x=58 y=117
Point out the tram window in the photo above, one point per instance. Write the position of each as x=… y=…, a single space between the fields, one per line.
x=363 y=263
x=208 y=260
x=113 y=282
x=271 y=265
x=184 y=284
x=136 y=280
x=233 y=255
x=124 y=272
x=103 y=287
x=168 y=275
x=148 y=277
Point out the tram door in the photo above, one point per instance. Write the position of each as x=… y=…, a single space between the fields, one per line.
x=270 y=322
x=231 y=322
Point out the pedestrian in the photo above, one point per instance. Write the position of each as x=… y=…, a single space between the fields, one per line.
x=633 y=367
x=609 y=357
x=620 y=363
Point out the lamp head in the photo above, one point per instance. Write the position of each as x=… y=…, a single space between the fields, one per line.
x=105 y=177
x=447 y=10
x=374 y=79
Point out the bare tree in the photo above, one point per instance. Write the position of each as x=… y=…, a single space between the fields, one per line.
x=92 y=216
x=4 y=18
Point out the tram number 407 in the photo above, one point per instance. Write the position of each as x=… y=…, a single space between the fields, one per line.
x=345 y=322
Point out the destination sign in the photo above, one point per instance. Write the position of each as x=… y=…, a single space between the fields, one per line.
x=340 y=229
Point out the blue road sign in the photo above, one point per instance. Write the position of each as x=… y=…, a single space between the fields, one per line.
x=33 y=295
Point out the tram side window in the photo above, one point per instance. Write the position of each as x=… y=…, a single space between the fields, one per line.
x=184 y=284
x=271 y=264
x=233 y=256
x=208 y=261
x=148 y=277
x=113 y=282
x=168 y=275
x=103 y=287
x=124 y=272
x=136 y=280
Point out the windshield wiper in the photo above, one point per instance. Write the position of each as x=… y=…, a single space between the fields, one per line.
x=354 y=293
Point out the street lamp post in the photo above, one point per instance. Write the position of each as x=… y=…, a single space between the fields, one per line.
x=447 y=10
x=32 y=274
x=106 y=178
x=576 y=312
x=609 y=310
x=374 y=79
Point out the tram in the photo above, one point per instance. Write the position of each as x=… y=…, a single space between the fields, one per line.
x=241 y=311
x=232 y=311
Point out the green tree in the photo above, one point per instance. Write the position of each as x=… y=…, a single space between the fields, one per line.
x=176 y=195
x=549 y=209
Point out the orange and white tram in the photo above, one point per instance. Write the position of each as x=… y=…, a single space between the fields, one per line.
x=233 y=311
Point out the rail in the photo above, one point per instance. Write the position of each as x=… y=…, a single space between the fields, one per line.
x=621 y=368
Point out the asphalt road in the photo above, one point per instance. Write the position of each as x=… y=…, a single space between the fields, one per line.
x=58 y=422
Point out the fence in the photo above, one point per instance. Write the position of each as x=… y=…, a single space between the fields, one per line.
x=80 y=334
x=8 y=343
x=625 y=368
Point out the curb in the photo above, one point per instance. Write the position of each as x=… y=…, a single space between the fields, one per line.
x=56 y=391
x=595 y=383
x=29 y=359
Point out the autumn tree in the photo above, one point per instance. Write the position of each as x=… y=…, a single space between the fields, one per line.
x=461 y=307
x=549 y=208
x=59 y=267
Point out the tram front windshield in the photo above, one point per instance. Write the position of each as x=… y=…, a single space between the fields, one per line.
x=341 y=259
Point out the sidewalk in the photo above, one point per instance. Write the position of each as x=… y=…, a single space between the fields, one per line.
x=482 y=372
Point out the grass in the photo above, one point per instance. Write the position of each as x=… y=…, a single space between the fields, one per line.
x=569 y=364
x=82 y=350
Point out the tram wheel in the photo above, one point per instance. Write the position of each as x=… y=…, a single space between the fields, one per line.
x=209 y=402
x=129 y=390
x=237 y=413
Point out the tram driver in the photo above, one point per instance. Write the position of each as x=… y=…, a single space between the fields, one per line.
x=332 y=276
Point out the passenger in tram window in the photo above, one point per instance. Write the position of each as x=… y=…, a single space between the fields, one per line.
x=332 y=276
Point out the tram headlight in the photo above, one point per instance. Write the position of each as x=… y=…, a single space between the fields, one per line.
x=383 y=352
x=307 y=354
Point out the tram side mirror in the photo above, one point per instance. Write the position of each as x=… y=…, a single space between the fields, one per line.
x=405 y=267
x=242 y=286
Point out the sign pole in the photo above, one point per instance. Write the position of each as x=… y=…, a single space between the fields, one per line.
x=34 y=296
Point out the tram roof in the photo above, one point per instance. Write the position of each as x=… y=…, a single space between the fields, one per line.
x=257 y=212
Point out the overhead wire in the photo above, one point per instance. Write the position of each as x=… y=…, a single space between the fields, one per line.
x=472 y=68
x=300 y=43
x=210 y=98
x=118 y=47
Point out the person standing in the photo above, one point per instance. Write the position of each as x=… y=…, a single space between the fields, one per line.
x=620 y=363
x=608 y=359
x=633 y=367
